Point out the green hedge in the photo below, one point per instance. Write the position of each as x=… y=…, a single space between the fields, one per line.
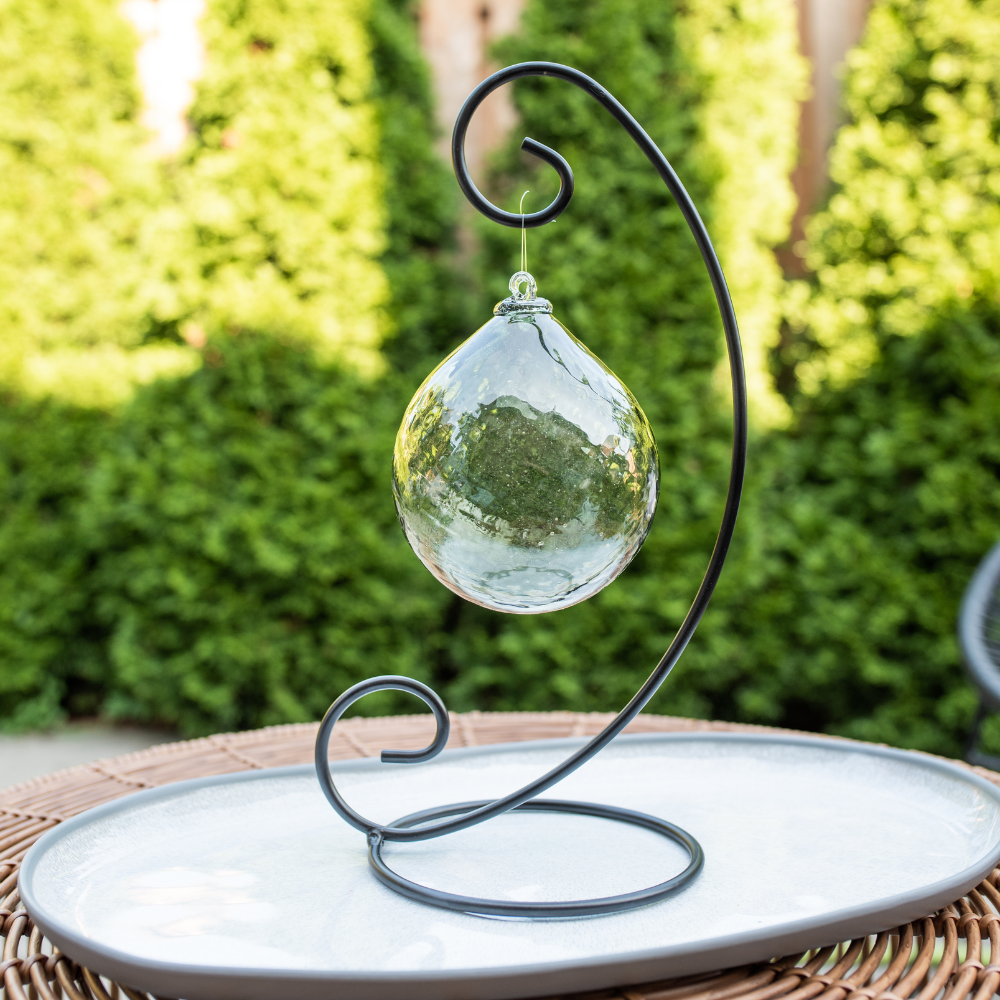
x=99 y=610
x=881 y=499
x=876 y=508
x=279 y=218
x=249 y=564
x=271 y=218
x=223 y=552
x=79 y=207
x=52 y=652
x=910 y=233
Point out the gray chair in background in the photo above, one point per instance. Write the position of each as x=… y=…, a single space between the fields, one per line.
x=979 y=634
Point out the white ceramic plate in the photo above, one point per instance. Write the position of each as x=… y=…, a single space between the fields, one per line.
x=249 y=885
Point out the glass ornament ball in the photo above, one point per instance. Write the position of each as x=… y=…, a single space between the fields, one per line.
x=525 y=473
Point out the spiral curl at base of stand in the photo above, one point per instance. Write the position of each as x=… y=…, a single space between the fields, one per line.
x=422 y=825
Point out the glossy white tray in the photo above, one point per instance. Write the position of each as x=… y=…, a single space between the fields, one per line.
x=248 y=885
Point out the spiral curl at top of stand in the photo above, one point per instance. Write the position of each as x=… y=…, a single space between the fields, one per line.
x=439 y=821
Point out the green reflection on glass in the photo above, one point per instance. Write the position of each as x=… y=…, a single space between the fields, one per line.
x=525 y=473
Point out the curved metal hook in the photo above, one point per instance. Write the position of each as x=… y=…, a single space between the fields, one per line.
x=550 y=156
x=388 y=682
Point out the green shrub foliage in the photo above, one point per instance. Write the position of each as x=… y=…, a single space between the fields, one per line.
x=94 y=620
x=911 y=231
x=251 y=563
x=877 y=508
x=222 y=551
x=78 y=204
x=272 y=217
x=52 y=656
x=279 y=210
x=881 y=499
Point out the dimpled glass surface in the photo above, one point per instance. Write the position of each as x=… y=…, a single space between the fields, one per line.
x=525 y=473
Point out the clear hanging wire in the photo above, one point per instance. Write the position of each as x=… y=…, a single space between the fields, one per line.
x=524 y=235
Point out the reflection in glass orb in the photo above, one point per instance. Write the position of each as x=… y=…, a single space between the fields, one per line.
x=525 y=473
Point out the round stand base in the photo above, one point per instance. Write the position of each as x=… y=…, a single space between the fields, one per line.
x=550 y=909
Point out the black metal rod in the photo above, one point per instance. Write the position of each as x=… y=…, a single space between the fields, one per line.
x=479 y=813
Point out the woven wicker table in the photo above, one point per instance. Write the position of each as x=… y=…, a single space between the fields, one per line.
x=946 y=955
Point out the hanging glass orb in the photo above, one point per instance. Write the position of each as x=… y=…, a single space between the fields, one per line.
x=525 y=473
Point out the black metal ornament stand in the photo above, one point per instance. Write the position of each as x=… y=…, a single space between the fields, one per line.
x=442 y=820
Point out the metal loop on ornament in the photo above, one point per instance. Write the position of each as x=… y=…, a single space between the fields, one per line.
x=449 y=819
